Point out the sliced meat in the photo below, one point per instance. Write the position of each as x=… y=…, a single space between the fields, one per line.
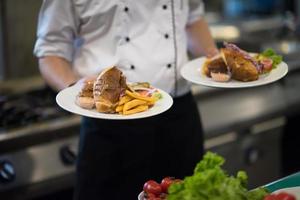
x=107 y=89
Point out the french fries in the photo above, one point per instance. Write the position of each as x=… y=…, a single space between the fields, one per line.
x=138 y=96
x=119 y=108
x=137 y=109
x=124 y=100
x=133 y=103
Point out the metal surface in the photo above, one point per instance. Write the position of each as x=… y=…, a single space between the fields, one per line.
x=38 y=164
x=39 y=129
x=233 y=109
x=37 y=154
x=253 y=149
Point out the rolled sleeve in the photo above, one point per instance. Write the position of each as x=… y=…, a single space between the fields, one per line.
x=196 y=10
x=57 y=29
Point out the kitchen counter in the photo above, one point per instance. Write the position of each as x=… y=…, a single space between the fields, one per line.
x=224 y=110
x=232 y=109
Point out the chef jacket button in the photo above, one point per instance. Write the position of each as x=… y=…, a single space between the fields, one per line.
x=126 y=9
x=166 y=36
x=169 y=66
x=132 y=67
x=165 y=7
x=127 y=39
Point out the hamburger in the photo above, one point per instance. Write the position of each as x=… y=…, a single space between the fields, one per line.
x=107 y=89
x=102 y=92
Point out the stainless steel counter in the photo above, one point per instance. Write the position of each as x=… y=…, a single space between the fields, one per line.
x=231 y=109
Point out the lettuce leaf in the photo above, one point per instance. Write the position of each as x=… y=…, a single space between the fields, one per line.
x=211 y=182
x=270 y=53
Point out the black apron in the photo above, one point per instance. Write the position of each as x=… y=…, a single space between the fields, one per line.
x=116 y=157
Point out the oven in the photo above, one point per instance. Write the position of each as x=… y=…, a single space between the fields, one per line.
x=38 y=146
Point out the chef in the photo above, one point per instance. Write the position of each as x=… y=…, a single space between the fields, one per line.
x=148 y=41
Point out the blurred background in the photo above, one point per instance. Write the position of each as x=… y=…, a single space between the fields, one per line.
x=255 y=129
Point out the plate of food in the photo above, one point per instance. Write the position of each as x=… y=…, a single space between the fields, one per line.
x=236 y=68
x=110 y=96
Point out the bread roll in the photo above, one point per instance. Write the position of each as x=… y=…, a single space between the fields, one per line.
x=85 y=102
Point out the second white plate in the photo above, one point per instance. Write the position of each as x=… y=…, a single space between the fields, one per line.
x=192 y=71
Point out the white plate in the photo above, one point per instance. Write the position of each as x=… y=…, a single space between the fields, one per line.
x=192 y=71
x=141 y=196
x=292 y=190
x=66 y=99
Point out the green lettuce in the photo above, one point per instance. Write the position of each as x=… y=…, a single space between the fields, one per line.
x=270 y=53
x=211 y=182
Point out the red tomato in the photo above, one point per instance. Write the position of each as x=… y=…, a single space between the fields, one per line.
x=149 y=195
x=166 y=182
x=152 y=187
x=270 y=197
x=267 y=64
x=143 y=92
x=285 y=196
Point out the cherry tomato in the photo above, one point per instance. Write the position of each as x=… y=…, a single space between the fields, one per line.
x=285 y=196
x=267 y=64
x=166 y=182
x=153 y=187
x=143 y=92
x=149 y=195
x=270 y=197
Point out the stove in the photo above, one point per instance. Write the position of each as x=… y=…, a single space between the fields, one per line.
x=24 y=109
x=38 y=145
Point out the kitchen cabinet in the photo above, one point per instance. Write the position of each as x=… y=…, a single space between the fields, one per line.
x=245 y=126
x=256 y=152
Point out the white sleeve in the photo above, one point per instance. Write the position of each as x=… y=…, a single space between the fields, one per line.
x=196 y=10
x=57 y=29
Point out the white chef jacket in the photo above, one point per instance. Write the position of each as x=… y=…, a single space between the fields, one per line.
x=146 y=39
